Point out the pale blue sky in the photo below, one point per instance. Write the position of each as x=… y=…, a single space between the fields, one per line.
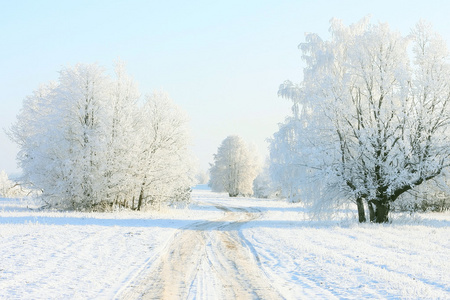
x=222 y=62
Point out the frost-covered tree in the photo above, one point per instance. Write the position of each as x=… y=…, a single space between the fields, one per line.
x=284 y=166
x=166 y=169
x=235 y=167
x=202 y=177
x=61 y=134
x=263 y=186
x=374 y=123
x=5 y=184
x=82 y=141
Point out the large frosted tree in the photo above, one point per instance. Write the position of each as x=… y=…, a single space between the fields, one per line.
x=235 y=167
x=374 y=115
x=85 y=143
x=61 y=132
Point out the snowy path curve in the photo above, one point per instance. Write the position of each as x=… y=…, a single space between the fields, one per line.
x=208 y=258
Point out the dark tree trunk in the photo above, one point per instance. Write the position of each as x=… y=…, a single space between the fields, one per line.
x=141 y=197
x=361 y=212
x=379 y=211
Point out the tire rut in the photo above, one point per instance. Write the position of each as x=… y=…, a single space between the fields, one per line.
x=207 y=259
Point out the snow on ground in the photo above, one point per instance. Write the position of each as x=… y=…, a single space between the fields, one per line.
x=305 y=259
x=54 y=255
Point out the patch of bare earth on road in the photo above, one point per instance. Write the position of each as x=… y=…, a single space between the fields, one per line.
x=207 y=259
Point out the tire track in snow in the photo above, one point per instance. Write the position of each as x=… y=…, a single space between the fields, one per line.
x=208 y=259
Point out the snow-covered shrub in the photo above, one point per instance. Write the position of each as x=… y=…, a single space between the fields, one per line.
x=12 y=189
x=430 y=196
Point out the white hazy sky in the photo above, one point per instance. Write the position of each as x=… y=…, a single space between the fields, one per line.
x=221 y=61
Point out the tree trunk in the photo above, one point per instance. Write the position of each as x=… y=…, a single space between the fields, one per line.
x=379 y=211
x=371 y=212
x=141 y=197
x=361 y=212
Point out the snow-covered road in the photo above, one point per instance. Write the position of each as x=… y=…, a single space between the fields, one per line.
x=210 y=259
x=220 y=248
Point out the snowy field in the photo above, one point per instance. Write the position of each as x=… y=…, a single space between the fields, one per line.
x=55 y=255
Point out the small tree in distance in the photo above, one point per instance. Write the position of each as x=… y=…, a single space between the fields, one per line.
x=234 y=169
x=5 y=184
